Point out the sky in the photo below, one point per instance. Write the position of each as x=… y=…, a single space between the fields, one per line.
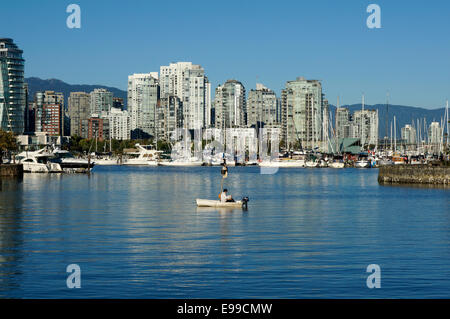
x=268 y=42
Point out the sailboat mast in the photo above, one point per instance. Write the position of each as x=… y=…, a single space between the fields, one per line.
x=446 y=122
x=155 y=120
x=395 y=135
x=313 y=123
x=387 y=112
x=362 y=122
x=391 y=138
x=336 y=124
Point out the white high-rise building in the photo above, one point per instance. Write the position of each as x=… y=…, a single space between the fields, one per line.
x=12 y=92
x=188 y=82
x=262 y=106
x=170 y=117
x=208 y=105
x=409 y=134
x=101 y=101
x=343 y=123
x=78 y=110
x=303 y=113
x=119 y=124
x=230 y=105
x=434 y=133
x=365 y=126
x=325 y=146
x=143 y=96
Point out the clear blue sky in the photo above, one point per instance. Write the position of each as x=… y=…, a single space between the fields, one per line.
x=266 y=41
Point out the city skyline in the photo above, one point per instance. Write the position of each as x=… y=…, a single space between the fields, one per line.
x=236 y=42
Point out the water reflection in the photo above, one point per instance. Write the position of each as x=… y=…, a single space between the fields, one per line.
x=11 y=197
x=137 y=232
x=419 y=186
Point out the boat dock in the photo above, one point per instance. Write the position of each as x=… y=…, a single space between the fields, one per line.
x=11 y=170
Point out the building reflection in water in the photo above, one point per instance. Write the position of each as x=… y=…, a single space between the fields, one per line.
x=11 y=237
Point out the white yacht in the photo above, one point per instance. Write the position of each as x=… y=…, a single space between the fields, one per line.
x=38 y=162
x=142 y=156
x=70 y=164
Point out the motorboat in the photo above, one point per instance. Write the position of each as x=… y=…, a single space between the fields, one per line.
x=38 y=162
x=362 y=163
x=70 y=164
x=182 y=162
x=398 y=160
x=336 y=164
x=323 y=163
x=385 y=162
x=142 y=156
x=311 y=164
x=217 y=203
x=106 y=161
x=416 y=160
x=282 y=163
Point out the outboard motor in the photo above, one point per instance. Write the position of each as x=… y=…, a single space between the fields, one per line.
x=245 y=203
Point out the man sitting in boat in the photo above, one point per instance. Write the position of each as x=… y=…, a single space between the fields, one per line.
x=224 y=197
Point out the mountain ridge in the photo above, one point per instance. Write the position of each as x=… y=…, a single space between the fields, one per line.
x=36 y=84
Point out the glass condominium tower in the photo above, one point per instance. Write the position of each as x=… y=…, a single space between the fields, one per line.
x=12 y=92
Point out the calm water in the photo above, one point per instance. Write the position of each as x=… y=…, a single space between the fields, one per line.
x=136 y=233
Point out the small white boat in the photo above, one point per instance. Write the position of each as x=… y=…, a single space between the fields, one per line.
x=218 y=203
x=181 y=163
x=311 y=164
x=337 y=165
x=106 y=161
x=362 y=164
x=385 y=162
x=323 y=163
x=282 y=163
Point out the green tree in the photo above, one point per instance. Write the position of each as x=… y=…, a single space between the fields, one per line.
x=164 y=146
x=74 y=144
x=8 y=143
